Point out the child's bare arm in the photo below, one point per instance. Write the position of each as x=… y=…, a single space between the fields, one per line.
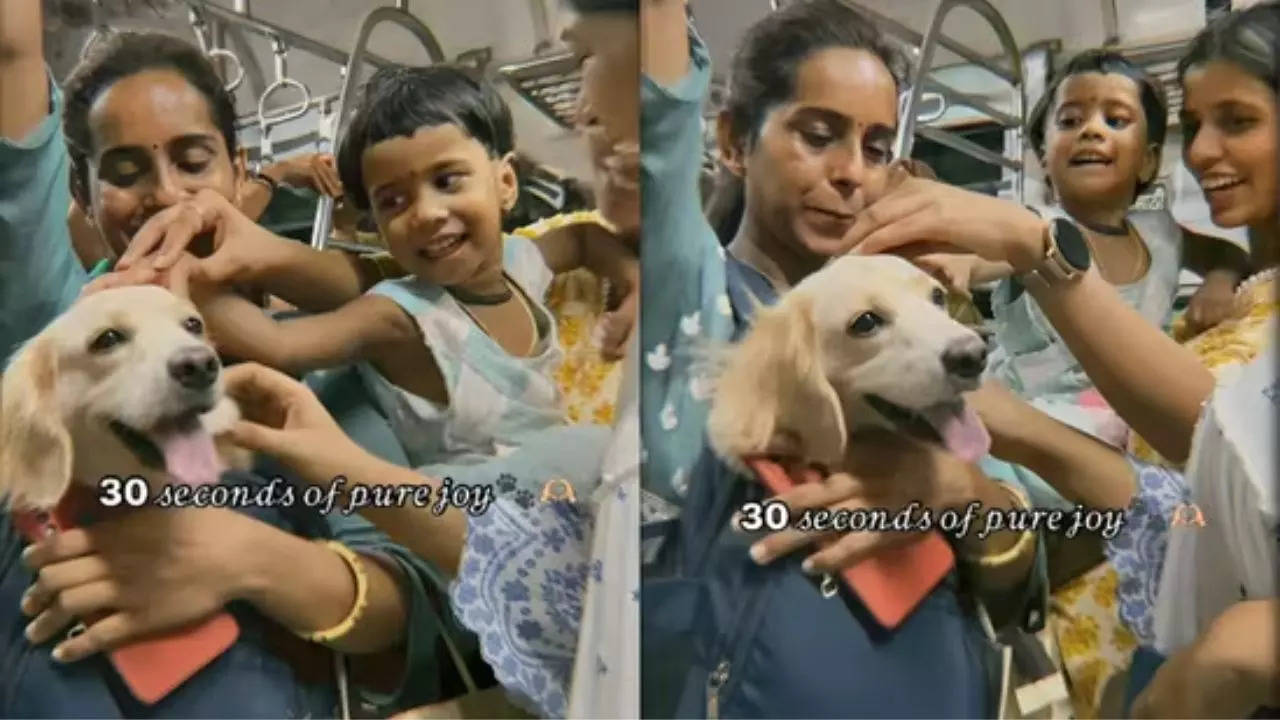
x=359 y=330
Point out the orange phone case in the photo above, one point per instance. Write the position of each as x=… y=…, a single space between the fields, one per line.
x=154 y=667
x=892 y=582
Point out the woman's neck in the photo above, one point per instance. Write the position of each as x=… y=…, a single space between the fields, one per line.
x=771 y=257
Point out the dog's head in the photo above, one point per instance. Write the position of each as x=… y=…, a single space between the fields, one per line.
x=124 y=383
x=864 y=341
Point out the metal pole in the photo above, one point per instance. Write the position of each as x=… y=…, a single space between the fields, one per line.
x=359 y=51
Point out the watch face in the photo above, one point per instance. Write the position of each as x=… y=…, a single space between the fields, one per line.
x=1071 y=244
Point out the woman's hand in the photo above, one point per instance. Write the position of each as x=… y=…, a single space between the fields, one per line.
x=241 y=250
x=1214 y=302
x=916 y=216
x=284 y=419
x=1230 y=671
x=149 y=571
x=884 y=470
x=312 y=171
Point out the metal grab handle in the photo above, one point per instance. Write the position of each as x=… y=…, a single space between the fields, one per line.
x=200 y=27
x=238 y=78
x=397 y=15
x=282 y=82
x=904 y=106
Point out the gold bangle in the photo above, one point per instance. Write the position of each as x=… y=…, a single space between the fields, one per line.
x=357 y=608
x=1024 y=541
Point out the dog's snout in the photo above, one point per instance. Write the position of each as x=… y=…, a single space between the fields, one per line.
x=965 y=357
x=194 y=368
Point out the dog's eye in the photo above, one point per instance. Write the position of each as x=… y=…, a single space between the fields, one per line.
x=939 y=297
x=193 y=325
x=106 y=340
x=865 y=324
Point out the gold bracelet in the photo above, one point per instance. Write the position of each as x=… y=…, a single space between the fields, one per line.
x=1024 y=541
x=357 y=608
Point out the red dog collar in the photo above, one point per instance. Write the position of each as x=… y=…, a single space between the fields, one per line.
x=895 y=580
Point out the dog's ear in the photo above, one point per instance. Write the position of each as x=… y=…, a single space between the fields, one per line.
x=773 y=396
x=35 y=445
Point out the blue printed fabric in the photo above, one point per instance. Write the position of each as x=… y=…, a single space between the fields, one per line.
x=1137 y=552
x=521 y=589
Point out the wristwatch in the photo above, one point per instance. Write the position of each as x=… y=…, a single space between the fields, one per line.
x=1066 y=253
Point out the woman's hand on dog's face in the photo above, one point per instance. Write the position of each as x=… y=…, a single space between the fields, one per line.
x=284 y=418
x=917 y=216
x=145 y=572
x=884 y=470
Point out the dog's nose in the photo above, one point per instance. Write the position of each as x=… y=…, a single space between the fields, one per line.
x=965 y=357
x=194 y=368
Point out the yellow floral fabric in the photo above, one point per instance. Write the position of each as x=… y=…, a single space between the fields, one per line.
x=1096 y=646
x=577 y=299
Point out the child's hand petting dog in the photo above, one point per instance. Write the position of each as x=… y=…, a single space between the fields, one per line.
x=149 y=571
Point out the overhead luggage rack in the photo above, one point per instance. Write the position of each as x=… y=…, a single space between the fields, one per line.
x=550 y=83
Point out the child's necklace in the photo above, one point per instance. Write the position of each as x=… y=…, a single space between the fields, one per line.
x=462 y=303
x=469 y=298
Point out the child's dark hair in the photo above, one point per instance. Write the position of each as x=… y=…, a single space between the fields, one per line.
x=397 y=101
x=119 y=56
x=1248 y=38
x=1150 y=94
x=583 y=7
x=764 y=76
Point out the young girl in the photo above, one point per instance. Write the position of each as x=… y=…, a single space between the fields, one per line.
x=459 y=354
x=1098 y=131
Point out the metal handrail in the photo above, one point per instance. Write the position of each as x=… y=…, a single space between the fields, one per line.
x=266 y=29
x=934 y=38
x=100 y=29
x=359 y=51
x=917 y=40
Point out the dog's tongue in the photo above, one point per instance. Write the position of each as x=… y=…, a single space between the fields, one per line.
x=960 y=429
x=189 y=454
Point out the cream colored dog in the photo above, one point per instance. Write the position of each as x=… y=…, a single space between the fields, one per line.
x=866 y=341
x=125 y=383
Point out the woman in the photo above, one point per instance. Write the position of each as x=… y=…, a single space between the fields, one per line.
x=1208 y=579
x=147 y=123
x=809 y=128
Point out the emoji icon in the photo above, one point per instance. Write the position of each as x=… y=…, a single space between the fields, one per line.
x=1187 y=514
x=558 y=490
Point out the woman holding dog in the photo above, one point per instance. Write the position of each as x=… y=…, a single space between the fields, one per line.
x=809 y=128
x=144 y=123
x=1205 y=597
